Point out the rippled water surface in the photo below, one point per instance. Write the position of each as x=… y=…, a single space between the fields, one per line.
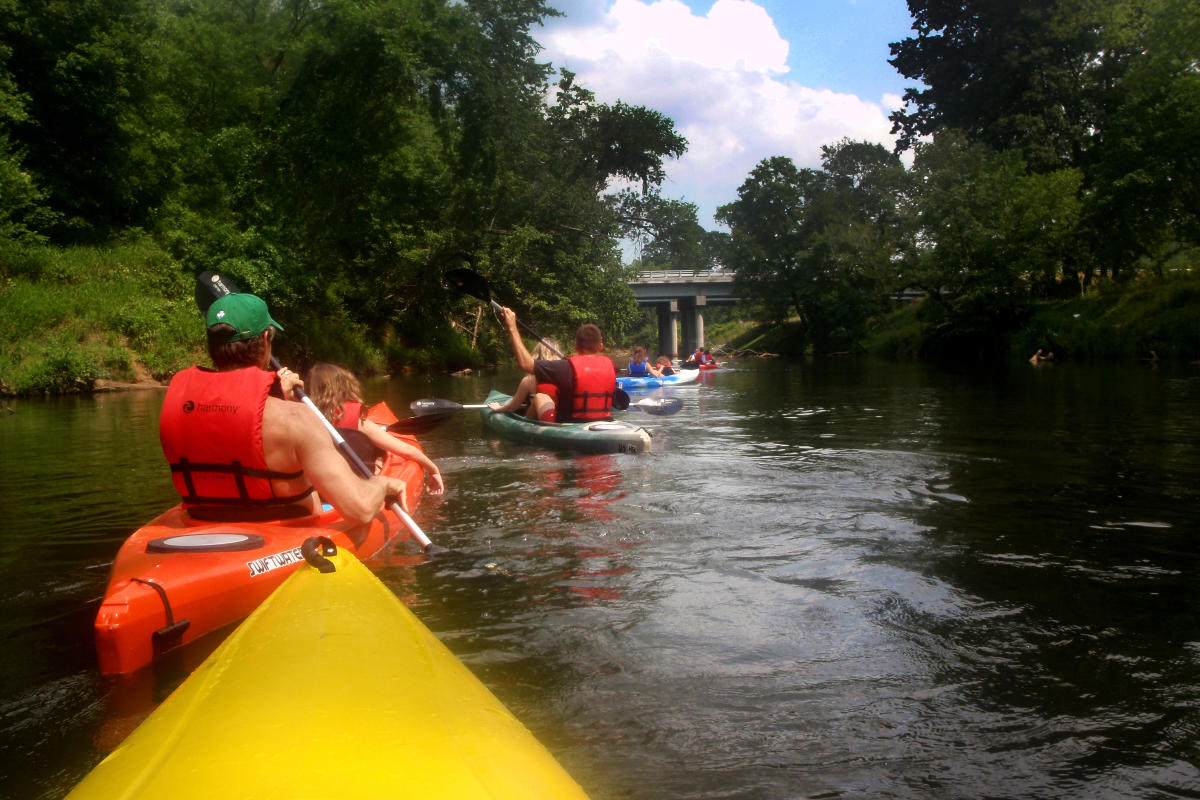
x=833 y=580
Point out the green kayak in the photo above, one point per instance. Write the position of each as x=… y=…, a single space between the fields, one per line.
x=589 y=437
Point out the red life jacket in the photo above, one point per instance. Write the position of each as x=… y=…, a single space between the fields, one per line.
x=595 y=380
x=211 y=433
x=351 y=415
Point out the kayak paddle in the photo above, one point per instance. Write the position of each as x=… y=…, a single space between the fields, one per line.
x=659 y=406
x=439 y=409
x=470 y=282
x=209 y=287
x=436 y=406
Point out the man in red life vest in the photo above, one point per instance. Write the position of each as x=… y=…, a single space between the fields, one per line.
x=236 y=446
x=586 y=381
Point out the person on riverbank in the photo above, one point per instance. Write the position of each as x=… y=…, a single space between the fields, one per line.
x=237 y=446
x=338 y=394
x=640 y=366
x=585 y=382
x=522 y=400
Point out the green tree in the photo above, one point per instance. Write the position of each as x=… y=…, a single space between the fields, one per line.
x=989 y=233
x=1145 y=205
x=675 y=240
x=820 y=243
x=89 y=138
x=1017 y=75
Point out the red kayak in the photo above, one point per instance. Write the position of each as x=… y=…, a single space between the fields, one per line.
x=709 y=365
x=177 y=579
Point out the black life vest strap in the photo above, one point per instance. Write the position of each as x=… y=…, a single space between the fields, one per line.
x=187 y=468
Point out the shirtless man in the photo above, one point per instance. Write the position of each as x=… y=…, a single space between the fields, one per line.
x=236 y=445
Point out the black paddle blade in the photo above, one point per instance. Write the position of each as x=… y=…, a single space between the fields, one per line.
x=210 y=286
x=418 y=425
x=620 y=400
x=429 y=406
x=468 y=281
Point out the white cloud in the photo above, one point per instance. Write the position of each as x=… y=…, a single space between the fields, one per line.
x=723 y=78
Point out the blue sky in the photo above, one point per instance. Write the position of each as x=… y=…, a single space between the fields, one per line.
x=742 y=79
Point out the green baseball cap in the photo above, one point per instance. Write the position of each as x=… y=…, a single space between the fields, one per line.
x=247 y=313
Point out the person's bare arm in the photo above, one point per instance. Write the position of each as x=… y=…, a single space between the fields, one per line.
x=524 y=359
x=402 y=448
x=356 y=498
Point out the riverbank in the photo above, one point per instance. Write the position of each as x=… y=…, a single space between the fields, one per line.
x=88 y=319
x=1147 y=321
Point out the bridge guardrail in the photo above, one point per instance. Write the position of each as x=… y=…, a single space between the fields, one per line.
x=682 y=275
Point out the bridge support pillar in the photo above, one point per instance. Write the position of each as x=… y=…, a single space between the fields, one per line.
x=668 y=336
x=701 y=302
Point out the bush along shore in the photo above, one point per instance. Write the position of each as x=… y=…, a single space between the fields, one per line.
x=1149 y=320
x=87 y=319
x=84 y=319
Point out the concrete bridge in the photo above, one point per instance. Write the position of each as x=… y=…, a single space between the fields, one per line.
x=680 y=296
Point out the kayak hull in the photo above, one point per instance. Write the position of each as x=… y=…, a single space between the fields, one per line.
x=650 y=382
x=331 y=689
x=177 y=579
x=587 y=437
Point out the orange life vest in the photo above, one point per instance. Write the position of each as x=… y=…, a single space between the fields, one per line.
x=595 y=380
x=211 y=434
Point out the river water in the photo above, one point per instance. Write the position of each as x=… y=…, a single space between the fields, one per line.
x=834 y=580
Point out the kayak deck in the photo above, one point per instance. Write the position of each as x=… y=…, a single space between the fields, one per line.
x=331 y=689
x=627 y=382
x=588 y=437
x=177 y=579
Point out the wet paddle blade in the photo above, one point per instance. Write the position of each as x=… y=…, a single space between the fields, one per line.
x=427 y=406
x=211 y=285
x=659 y=406
x=418 y=425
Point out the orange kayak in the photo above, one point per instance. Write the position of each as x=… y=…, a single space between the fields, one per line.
x=178 y=579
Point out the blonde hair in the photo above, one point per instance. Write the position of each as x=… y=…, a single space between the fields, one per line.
x=544 y=352
x=329 y=386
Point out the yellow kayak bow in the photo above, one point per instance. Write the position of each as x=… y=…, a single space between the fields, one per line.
x=331 y=689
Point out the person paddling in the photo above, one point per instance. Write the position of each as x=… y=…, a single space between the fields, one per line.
x=529 y=388
x=585 y=382
x=238 y=449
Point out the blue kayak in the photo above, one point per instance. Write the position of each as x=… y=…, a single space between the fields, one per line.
x=650 y=382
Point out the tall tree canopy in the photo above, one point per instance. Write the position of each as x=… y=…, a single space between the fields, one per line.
x=335 y=154
x=820 y=244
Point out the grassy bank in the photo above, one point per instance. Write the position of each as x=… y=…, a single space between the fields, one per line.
x=1114 y=324
x=1130 y=323
x=70 y=318
x=82 y=318
x=76 y=319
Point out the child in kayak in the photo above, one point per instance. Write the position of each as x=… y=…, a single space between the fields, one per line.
x=664 y=366
x=640 y=366
x=338 y=394
x=548 y=350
